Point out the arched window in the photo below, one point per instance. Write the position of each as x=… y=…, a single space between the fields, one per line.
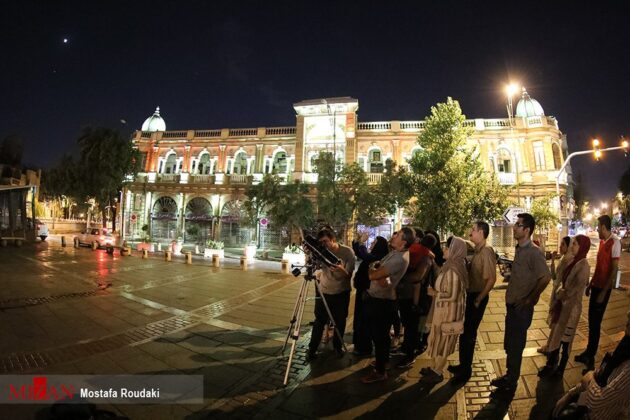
x=240 y=163
x=279 y=163
x=198 y=220
x=164 y=219
x=313 y=162
x=170 y=166
x=203 y=168
x=557 y=156
x=504 y=161
x=375 y=160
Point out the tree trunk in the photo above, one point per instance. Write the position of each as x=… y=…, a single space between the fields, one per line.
x=114 y=218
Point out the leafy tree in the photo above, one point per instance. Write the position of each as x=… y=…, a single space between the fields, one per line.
x=624 y=182
x=333 y=206
x=107 y=159
x=11 y=151
x=546 y=217
x=580 y=195
x=345 y=196
x=395 y=189
x=293 y=208
x=259 y=197
x=60 y=184
x=449 y=183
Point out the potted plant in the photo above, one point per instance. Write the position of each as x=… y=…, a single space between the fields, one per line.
x=294 y=255
x=193 y=233
x=213 y=248
x=146 y=240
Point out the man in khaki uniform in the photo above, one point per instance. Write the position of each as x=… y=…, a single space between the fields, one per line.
x=481 y=279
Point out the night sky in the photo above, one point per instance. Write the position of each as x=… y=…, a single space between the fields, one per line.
x=213 y=64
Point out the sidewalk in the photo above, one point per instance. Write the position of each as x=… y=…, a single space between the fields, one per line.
x=230 y=325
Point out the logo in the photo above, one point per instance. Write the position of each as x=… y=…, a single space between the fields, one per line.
x=40 y=390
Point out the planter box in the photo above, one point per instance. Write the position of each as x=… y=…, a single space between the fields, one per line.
x=297 y=259
x=144 y=245
x=208 y=253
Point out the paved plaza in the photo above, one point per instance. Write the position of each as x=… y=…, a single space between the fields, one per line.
x=78 y=311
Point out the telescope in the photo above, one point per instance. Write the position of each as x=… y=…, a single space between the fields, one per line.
x=319 y=253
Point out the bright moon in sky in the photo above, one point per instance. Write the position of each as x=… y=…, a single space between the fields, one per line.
x=65 y=40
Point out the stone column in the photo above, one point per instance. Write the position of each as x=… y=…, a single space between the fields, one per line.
x=299 y=148
x=260 y=158
x=221 y=163
x=396 y=156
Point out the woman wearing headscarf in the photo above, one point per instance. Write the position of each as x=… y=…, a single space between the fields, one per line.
x=448 y=308
x=556 y=275
x=567 y=307
x=361 y=331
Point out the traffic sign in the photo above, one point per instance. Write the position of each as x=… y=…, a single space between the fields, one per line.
x=510 y=215
x=264 y=222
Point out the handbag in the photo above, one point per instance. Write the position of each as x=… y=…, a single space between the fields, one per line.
x=452 y=328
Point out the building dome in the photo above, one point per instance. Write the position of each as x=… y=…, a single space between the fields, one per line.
x=154 y=122
x=528 y=106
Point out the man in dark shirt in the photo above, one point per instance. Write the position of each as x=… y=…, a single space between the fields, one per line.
x=530 y=276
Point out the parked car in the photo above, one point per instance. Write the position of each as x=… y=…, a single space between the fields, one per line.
x=101 y=237
x=41 y=229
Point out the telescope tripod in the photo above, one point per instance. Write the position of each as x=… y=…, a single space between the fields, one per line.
x=293 y=331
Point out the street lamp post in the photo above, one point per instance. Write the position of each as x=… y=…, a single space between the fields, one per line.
x=510 y=90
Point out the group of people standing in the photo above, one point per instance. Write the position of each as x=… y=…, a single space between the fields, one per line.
x=442 y=294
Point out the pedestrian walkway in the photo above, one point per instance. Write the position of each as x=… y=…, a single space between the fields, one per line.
x=154 y=316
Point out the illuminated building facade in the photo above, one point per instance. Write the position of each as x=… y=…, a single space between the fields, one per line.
x=199 y=177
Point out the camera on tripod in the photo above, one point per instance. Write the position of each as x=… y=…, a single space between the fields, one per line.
x=318 y=254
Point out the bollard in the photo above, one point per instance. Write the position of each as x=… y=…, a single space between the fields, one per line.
x=18 y=243
x=145 y=254
x=196 y=249
x=94 y=246
x=159 y=247
x=125 y=251
x=244 y=263
x=63 y=241
x=167 y=255
x=216 y=261
x=285 y=266
x=188 y=257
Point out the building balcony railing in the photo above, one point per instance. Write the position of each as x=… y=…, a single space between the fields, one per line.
x=506 y=178
x=374 y=178
x=168 y=178
x=376 y=127
x=238 y=179
x=202 y=179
